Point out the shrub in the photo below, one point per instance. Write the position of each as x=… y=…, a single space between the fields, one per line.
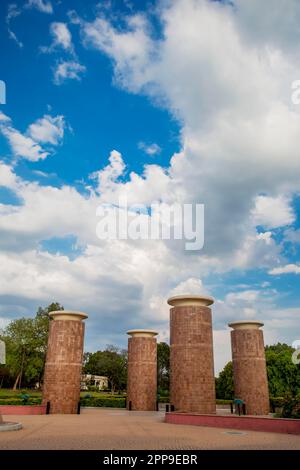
x=18 y=401
x=223 y=402
x=110 y=402
x=25 y=398
x=93 y=388
x=164 y=399
x=291 y=407
x=275 y=403
x=163 y=392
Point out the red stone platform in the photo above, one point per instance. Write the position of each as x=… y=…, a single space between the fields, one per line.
x=249 y=423
x=22 y=409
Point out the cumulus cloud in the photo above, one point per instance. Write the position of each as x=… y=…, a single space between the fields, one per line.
x=24 y=146
x=65 y=68
x=150 y=149
x=235 y=131
x=287 y=269
x=68 y=70
x=129 y=49
x=62 y=38
x=103 y=269
x=292 y=235
x=239 y=141
x=44 y=6
x=107 y=177
x=273 y=212
x=46 y=130
x=4 y=118
x=8 y=178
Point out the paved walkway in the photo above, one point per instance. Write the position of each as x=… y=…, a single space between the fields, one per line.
x=110 y=429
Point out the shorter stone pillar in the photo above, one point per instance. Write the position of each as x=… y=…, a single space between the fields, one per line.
x=64 y=361
x=191 y=354
x=249 y=366
x=142 y=370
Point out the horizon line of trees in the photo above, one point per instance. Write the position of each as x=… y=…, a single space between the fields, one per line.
x=26 y=347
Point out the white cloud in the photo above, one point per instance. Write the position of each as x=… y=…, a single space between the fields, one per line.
x=239 y=136
x=123 y=270
x=149 y=149
x=7 y=176
x=292 y=235
x=24 y=146
x=48 y=129
x=107 y=177
x=287 y=269
x=44 y=6
x=13 y=12
x=129 y=49
x=222 y=349
x=68 y=70
x=239 y=139
x=62 y=38
x=4 y=118
x=273 y=212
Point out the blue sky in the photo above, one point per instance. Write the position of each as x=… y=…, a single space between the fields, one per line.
x=183 y=101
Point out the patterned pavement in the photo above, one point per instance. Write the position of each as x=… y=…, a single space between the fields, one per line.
x=110 y=429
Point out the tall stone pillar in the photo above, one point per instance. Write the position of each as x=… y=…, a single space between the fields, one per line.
x=64 y=361
x=142 y=370
x=191 y=360
x=249 y=366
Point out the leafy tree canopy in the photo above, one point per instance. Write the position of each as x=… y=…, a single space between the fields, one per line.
x=111 y=363
x=283 y=375
x=26 y=345
x=163 y=366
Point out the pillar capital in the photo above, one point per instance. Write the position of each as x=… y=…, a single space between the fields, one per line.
x=186 y=300
x=142 y=333
x=68 y=315
x=246 y=325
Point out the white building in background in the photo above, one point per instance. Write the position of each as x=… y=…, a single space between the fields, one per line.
x=99 y=381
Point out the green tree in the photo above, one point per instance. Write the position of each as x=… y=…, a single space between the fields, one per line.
x=163 y=366
x=283 y=375
x=26 y=346
x=224 y=383
x=111 y=363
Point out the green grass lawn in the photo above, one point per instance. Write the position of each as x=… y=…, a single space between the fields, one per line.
x=9 y=393
x=10 y=397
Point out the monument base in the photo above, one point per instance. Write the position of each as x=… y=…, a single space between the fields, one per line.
x=246 y=423
x=9 y=426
